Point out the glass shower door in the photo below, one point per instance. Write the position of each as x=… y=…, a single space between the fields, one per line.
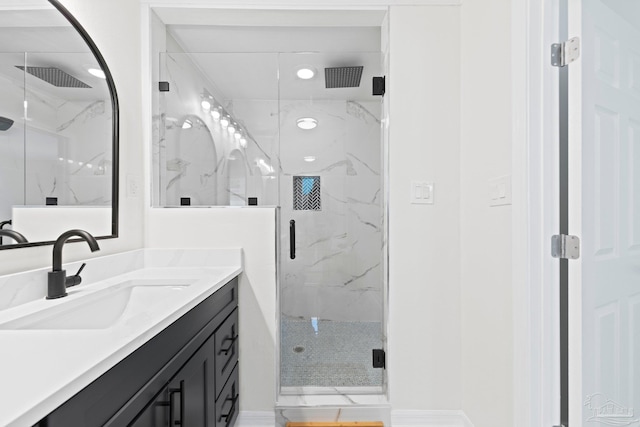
x=609 y=393
x=332 y=231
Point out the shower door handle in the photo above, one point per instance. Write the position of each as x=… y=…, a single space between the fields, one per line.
x=292 y=239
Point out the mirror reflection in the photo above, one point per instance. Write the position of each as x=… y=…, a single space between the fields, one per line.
x=56 y=127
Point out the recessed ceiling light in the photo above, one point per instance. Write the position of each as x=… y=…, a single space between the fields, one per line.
x=309 y=159
x=215 y=113
x=206 y=105
x=307 y=123
x=306 y=73
x=187 y=124
x=224 y=121
x=97 y=72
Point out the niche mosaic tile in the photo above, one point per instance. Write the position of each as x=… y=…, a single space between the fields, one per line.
x=306 y=193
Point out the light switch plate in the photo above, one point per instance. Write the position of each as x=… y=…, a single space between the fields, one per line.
x=500 y=191
x=133 y=186
x=421 y=192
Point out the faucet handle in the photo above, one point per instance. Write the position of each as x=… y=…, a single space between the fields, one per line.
x=81 y=268
x=75 y=279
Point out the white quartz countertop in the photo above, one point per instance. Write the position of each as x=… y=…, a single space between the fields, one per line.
x=42 y=368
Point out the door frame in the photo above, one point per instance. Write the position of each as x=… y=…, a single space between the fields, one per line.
x=535 y=177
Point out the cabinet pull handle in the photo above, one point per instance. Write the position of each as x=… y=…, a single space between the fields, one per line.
x=228 y=349
x=173 y=392
x=232 y=410
x=169 y=403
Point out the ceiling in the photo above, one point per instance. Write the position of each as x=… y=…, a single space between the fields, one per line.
x=254 y=54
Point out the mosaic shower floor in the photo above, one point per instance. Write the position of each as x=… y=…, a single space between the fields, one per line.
x=325 y=353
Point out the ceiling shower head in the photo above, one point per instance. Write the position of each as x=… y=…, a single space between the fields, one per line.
x=336 y=77
x=5 y=123
x=55 y=76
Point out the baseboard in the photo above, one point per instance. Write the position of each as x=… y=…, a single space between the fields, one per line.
x=430 y=419
x=256 y=419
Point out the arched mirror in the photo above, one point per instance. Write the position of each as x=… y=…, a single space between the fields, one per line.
x=58 y=127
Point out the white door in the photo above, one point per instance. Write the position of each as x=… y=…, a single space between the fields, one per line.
x=604 y=210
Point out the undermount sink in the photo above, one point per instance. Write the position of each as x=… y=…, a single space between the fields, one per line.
x=100 y=309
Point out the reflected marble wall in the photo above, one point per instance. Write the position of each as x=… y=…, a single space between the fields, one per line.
x=70 y=157
x=229 y=174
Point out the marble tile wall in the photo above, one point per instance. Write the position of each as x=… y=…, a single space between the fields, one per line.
x=337 y=272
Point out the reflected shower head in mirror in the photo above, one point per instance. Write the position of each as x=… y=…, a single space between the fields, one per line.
x=5 y=123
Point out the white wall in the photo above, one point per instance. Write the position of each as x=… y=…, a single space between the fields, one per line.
x=487 y=318
x=424 y=240
x=450 y=335
x=114 y=26
x=254 y=230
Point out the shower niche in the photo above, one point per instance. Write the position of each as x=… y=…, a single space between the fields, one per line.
x=251 y=118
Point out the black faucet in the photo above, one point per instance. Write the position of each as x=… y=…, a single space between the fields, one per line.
x=18 y=237
x=58 y=280
x=2 y=224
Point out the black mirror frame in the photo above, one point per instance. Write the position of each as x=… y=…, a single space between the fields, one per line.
x=115 y=129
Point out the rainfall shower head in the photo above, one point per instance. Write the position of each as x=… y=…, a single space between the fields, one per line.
x=5 y=123
x=335 y=77
x=55 y=76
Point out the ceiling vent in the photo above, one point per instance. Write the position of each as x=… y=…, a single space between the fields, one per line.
x=55 y=76
x=335 y=77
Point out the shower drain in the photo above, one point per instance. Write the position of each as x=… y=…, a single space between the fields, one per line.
x=298 y=349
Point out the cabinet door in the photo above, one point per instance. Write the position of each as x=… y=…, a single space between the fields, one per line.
x=195 y=390
x=188 y=398
x=157 y=412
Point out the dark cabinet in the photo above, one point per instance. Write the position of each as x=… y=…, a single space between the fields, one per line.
x=185 y=376
x=184 y=401
x=227 y=402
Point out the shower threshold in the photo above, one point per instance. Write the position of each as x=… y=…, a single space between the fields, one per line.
x=333 y=408
x=327 y=392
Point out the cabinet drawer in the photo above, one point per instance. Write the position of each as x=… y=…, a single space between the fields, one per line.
x=228 y=403
x=226 y=350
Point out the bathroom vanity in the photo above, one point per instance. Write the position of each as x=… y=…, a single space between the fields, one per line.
x=186 y=375
x=156 y=345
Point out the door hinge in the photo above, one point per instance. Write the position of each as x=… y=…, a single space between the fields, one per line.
x=379 y=86
x=565 y=247
x=563 y=54
x=378 y=358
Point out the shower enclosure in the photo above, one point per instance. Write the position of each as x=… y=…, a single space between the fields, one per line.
x=332 y=229
x=243 y=129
